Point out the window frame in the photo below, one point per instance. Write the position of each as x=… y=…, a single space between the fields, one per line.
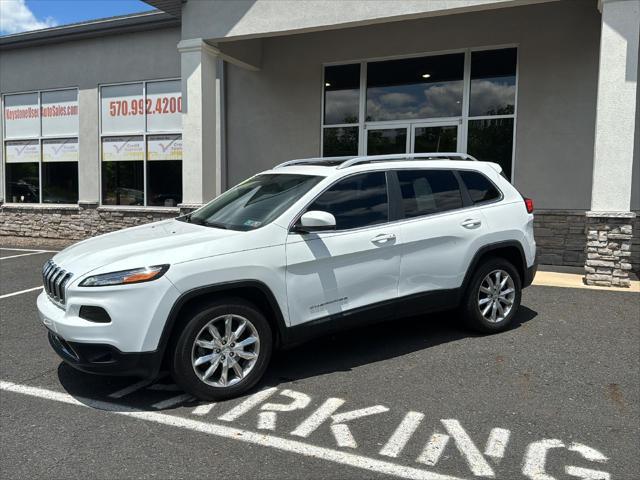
x=40 y=139
x=144 y=134
x=394 y=197
x=461 y=121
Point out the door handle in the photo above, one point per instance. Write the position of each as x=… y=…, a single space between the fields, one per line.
x=383 y=238
x=471 y=223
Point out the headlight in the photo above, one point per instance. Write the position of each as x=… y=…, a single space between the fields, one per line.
x=136 y=275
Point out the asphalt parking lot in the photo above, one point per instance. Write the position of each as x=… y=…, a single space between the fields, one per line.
x=557 y=396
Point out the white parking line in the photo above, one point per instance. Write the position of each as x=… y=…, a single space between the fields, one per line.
x=22 y=255
x=170 y=402
x=28 y=250
x=237 y=434
x=131 y=388
x=203 y=409
x=7 y=295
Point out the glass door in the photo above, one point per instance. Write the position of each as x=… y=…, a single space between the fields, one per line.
x=387 y=139
x=430 y=137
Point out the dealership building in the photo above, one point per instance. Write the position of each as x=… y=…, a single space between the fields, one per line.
x=120 y=121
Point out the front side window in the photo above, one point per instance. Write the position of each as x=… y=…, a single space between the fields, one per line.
x=357 y=201
x=255 y=202
x=141 y=144
x=479 y=187
x=428 y=191
x=41 y=146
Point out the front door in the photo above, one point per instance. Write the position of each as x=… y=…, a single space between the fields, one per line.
x=430 y=137
x=423 y=137
x=354 y=266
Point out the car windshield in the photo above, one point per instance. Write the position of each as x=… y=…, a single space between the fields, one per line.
x=253 y=203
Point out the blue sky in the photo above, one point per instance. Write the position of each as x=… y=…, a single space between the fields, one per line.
x=24 y=15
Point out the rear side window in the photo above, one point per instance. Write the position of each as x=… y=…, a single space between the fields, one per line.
x=479 y=187
x=356 y=201
x=428 y=191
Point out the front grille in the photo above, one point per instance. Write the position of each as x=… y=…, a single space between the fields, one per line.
x=55 y=280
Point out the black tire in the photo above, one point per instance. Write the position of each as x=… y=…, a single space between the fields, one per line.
x=182 y=368
x=472 y=314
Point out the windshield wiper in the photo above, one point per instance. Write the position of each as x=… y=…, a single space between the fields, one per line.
x=207 y=223
x=189 y=218
x=198 y=221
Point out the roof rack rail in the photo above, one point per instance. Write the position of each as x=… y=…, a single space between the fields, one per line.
x=302 y=161
x=407 y=156
x=349 y=161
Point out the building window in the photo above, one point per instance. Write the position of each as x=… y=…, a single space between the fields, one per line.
x=141 y=143
x=491 y=140
x=493 y=82
x=464 y=101
x=41 y=146
x=425 y=87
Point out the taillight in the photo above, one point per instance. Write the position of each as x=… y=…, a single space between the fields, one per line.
x=529 y=204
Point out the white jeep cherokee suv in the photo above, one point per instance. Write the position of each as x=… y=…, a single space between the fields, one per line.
x=308 y=247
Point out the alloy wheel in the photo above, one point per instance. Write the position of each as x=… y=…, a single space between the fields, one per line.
x=225 y=350
x=496 y=296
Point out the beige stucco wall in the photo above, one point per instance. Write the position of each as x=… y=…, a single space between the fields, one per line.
x=224 y=19
x=274 y=114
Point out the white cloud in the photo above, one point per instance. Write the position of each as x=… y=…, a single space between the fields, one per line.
x=15 y=16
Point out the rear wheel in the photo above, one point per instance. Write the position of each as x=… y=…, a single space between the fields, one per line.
x=493 y=296
x=223 y=350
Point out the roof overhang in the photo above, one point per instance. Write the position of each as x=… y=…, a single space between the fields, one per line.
x=94 y=28
x=172 y=7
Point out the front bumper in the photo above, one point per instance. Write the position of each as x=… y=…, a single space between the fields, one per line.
x=137 y=315
x=105 y=359
x=128 y=343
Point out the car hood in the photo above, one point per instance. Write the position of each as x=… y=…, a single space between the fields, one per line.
x=165 y=242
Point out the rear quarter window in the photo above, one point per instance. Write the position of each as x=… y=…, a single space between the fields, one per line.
x=479 y=187
x=428 y=191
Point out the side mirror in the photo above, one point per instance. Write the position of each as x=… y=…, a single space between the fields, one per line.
x=316 y=221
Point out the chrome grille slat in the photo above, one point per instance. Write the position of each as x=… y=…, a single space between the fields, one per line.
x=58 y=284
x=55 y=280
x=52 y=282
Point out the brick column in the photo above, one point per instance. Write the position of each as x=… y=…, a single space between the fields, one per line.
x=609 y=239
x=609 y=223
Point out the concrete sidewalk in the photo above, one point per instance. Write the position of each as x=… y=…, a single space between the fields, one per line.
x=574 y=280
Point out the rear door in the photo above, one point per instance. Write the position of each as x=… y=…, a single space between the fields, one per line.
x=441 y=232
x=354 y=266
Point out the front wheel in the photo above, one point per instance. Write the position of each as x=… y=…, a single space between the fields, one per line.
x=493 y=296
x=223 y=350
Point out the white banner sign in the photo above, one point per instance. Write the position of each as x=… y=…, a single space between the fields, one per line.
x=60 y=112
x=60 y=150
x=164 y=106
x=164 y=147
x=21 y=116
x=124 y=109
x=22 y=151
x=122 y=148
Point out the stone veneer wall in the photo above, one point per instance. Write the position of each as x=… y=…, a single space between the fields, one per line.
x=74 y=222
x=609 y=241
x=560 y=234
x=560 y=237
